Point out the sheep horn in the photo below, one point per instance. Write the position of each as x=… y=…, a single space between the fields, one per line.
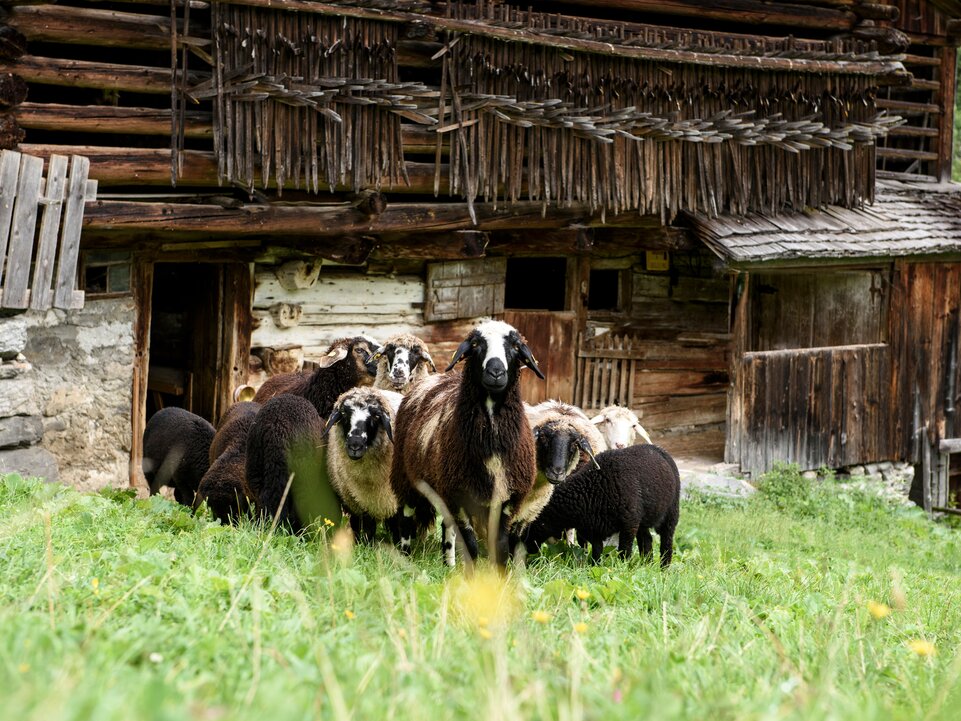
x=335 y=415
x=458 y=354
x=332 y=356
x=529 y=360
x=586 y=447
x=642 y=433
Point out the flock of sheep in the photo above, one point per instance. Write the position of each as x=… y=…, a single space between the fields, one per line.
x=388 y=440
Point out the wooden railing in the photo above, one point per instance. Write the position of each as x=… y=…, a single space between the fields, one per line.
x=38 y=268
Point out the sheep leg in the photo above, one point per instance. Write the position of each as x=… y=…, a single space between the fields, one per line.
x=402 y=528
x=666 y=533
x=467 y=533
x=625 y=544
x=597 y=548
x=448 y=540
x=363 y=526
x=645 y=545
x=502 y=543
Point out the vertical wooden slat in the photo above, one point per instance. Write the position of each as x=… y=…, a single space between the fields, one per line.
x=9 y=170
x=20 y=251
x=142 y=285
x=72 y=220
x=41 y=293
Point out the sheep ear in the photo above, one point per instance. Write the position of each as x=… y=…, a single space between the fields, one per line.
x=529 y=360
x=333 y=356
x=458 y=354
x=586 y=447
x=597 y=420
x=378 y=354
x=639 y=429
x=335 y=415
x=430 y=361
x=390 y=431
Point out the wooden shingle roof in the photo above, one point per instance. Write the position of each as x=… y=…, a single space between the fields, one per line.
x=906 y=219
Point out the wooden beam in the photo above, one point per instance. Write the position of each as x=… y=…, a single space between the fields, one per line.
x=104 y=28
x=904 y=154
x=537 y=37
x=109 y=119
x=153 y=121
x=948 y=77
x=903 y=106
x=90 y=74
x=950 y=445
x=148 y=166
x=161 y=222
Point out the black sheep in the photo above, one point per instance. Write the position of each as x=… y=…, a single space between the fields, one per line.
x=468 y=438
x=635 y=489
x=347 y=363
x=224 y=486
x=176 y=443
x=286 y=441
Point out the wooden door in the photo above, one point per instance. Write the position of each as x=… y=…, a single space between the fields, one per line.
x=552 y=337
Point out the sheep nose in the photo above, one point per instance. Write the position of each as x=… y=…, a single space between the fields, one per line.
x=620 y=445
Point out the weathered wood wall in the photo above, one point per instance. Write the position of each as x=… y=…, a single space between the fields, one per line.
x=853 y=404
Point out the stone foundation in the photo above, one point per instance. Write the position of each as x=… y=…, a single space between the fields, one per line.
x=65 y=393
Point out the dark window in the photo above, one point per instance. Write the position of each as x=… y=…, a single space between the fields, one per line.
x=536 y=283
x=605 y=290
x=106 y=273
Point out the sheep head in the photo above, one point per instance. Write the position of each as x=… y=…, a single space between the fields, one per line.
x=494 y=352
x=619 y=425
x=362 y=414
x=398 y=358
x=357 y=351
x=559 y=445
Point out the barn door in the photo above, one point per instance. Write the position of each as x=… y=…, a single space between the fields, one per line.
x=551 y=336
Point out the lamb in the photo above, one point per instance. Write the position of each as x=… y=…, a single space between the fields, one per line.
x=342 y=367
x=634 y=489
x=619 y=425
x=402 y=361
x=467 y=437
x=561 y=433
x=175 y=452
x=360 y=450
x=224 y=487
x=285 y=446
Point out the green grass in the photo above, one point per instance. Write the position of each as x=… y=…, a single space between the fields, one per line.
x=112 y=608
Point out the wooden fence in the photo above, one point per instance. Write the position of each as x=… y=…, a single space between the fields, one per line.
x=606 y=367
x=38 y=267
x=814 y=407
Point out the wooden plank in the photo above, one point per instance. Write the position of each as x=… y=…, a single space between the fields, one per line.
x=9 y=170
x=20 y=252
x=41 y=295
x=142 y=286
x=72 y=220
x=92 y=74
x=947 y=90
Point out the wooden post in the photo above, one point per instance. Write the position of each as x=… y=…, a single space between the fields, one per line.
x=946 y=125
x=142 y=282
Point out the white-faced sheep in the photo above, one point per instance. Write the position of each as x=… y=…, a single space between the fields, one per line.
x=468 y=438
x=343 y=366
x=286 y=469
x=176 y=445
x=620 y=427
x=224 y=486
x=402 y=361
x=360 y=450
x=632 y=490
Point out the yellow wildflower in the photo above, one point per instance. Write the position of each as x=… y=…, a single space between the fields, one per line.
x=23 y=667
x=580 y=627
x=483 y=621
x=582 y=593
x=541 y=616
x=349 y=614
x=95 y=584
x=485 y=633
x=922 y=648
x=328 y=522
x=879 y=610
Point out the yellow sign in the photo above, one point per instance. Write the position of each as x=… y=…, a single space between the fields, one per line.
x=658 y=260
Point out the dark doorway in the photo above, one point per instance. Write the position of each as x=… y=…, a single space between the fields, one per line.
x=535 y=284
x=604 y=290
x=183 y=337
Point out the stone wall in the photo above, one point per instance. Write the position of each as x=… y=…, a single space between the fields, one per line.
x=65 y=393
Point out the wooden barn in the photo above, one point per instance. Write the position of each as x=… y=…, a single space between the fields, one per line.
x=735 y=217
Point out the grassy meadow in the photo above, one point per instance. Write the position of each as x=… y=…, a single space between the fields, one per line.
x=804 y=602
